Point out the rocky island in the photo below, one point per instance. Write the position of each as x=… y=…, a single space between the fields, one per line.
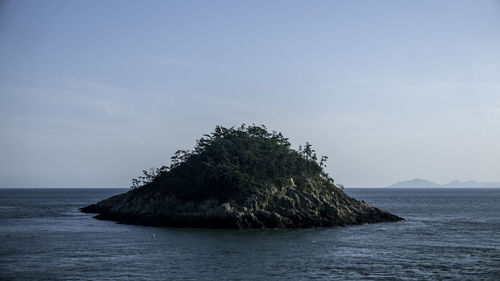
x=244 y=177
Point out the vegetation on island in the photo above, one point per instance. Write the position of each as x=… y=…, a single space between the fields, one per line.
x=233 y=161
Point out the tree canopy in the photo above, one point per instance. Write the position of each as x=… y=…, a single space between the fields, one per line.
x=232 y=161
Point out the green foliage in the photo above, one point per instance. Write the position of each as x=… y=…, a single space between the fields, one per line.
x=233 y=160
x=148 y=176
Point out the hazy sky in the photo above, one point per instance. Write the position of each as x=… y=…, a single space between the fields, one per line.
x=92 y=92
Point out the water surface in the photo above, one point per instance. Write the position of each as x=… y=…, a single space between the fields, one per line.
x=448 y=234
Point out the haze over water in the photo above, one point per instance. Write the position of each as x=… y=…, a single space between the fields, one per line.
x=448 y=234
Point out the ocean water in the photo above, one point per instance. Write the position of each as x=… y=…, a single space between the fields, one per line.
x=449 y=234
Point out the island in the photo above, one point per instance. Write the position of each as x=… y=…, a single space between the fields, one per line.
x=414 y=183
x=420 y=183
x=239 y=177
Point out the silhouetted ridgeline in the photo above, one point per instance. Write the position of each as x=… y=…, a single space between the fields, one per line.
x=420 y=183
x=242 y=177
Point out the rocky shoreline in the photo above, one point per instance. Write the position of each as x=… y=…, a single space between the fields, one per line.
x=287 y=207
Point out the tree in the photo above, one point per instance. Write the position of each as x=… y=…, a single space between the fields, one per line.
x=233 y=160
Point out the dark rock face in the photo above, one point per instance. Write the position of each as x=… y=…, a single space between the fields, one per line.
x=288 y=206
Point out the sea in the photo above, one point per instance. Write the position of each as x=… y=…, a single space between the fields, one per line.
x=448 y=234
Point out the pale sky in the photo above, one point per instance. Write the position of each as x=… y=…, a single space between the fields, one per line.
x=92 y=92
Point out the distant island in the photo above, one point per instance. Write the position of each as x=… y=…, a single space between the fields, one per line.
x=244 y=177
x=420 y=183
x=414 y=183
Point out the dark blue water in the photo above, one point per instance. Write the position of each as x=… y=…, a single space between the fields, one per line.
x=449 y=234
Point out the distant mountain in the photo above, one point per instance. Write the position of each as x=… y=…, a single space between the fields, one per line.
x=415 y=183
x=458 y=183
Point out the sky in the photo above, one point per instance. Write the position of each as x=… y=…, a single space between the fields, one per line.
x=93 y=92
